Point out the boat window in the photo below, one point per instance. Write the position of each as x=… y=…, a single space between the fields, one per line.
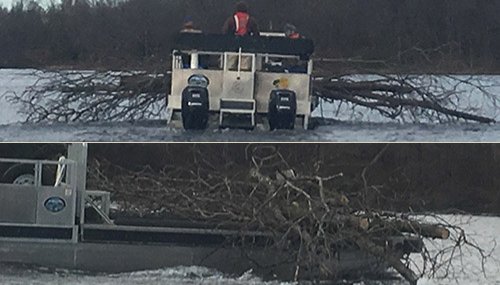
x=203 y=61
x=211 y=61
x=284 y=65
x=246 y=62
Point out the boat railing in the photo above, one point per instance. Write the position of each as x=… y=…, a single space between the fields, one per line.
x=42 y=204
x=65 y=169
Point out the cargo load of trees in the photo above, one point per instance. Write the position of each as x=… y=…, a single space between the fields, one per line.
x=308 y=214
x=74 y=96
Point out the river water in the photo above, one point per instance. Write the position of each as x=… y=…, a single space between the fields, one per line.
x=466 y=267
x=352 y=126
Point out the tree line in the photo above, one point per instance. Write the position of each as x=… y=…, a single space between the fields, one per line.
x=447 y=35
x=400 y=177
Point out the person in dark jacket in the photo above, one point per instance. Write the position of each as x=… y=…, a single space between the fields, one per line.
x=241 y=23
x=291 y=32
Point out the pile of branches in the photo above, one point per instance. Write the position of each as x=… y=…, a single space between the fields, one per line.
x=87 y=96
x=413 y=97
x=127 y=96
x=306 y=214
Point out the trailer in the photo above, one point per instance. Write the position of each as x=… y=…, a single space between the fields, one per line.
x=47 y=225
x=240 y=82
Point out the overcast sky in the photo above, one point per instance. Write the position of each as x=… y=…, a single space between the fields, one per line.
x=8 y=3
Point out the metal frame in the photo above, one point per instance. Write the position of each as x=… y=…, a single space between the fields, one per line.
x=250 y=112
x=177 y=59
x=102 y=208
x=219 y=87
x=38 y=170
x=68 y=179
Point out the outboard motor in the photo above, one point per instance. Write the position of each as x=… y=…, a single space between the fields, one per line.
x=195 y=104
x=282 y=109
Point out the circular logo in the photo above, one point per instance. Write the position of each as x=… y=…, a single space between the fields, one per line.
x=55 y=204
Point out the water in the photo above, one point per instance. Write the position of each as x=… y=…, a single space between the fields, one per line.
x=157 y=131
x=180 y=275
x=355 y=126
x=466 y=266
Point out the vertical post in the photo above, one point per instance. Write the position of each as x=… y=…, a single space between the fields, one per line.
x=194 y=60
x=225 y=64
x=175 y=61
x=254 y=63
x=78 y=153
x=38 y=174
x=239 y=64
x=310 y=67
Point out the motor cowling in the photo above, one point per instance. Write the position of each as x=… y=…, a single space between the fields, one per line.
x=195 y=108
x=282 y=109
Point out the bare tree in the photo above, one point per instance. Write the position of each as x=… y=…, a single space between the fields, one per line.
x=93 y=96
x=307 y=214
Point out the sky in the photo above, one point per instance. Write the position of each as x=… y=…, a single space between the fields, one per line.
x=8 y=3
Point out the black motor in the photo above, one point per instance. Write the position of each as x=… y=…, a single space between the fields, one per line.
x=195 y=103
x=195 y=108
x=282 y=109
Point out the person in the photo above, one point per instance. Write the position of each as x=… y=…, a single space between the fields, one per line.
x=241 y=23
x=188 y=26
x=291 y=32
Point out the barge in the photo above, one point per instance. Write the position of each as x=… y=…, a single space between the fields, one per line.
x=46 y=225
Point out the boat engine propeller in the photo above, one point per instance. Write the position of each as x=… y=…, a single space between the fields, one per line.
x=195 y=104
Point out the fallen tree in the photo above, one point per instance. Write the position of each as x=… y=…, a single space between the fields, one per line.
x=422 y=97
x=60 y=96
x=73 y=96
x=307 y=214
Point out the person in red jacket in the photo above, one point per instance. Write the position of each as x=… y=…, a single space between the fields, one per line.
x=241 y=23
x=291 y=32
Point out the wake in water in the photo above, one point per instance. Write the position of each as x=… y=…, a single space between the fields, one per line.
x=10 y=274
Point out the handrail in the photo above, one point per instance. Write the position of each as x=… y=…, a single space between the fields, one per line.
x=36 y=161
x=62 y=165
x=61 y=169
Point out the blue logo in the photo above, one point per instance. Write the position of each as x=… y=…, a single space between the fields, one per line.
x=55 y=204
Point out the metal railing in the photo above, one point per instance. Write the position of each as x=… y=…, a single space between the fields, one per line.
x=65 y=169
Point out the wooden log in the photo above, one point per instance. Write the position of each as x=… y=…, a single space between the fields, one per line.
x=412 y=227
x=391 y=258
x=423 y=229
x=352 y=222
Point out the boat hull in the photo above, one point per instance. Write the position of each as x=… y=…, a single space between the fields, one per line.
x=122 y=257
